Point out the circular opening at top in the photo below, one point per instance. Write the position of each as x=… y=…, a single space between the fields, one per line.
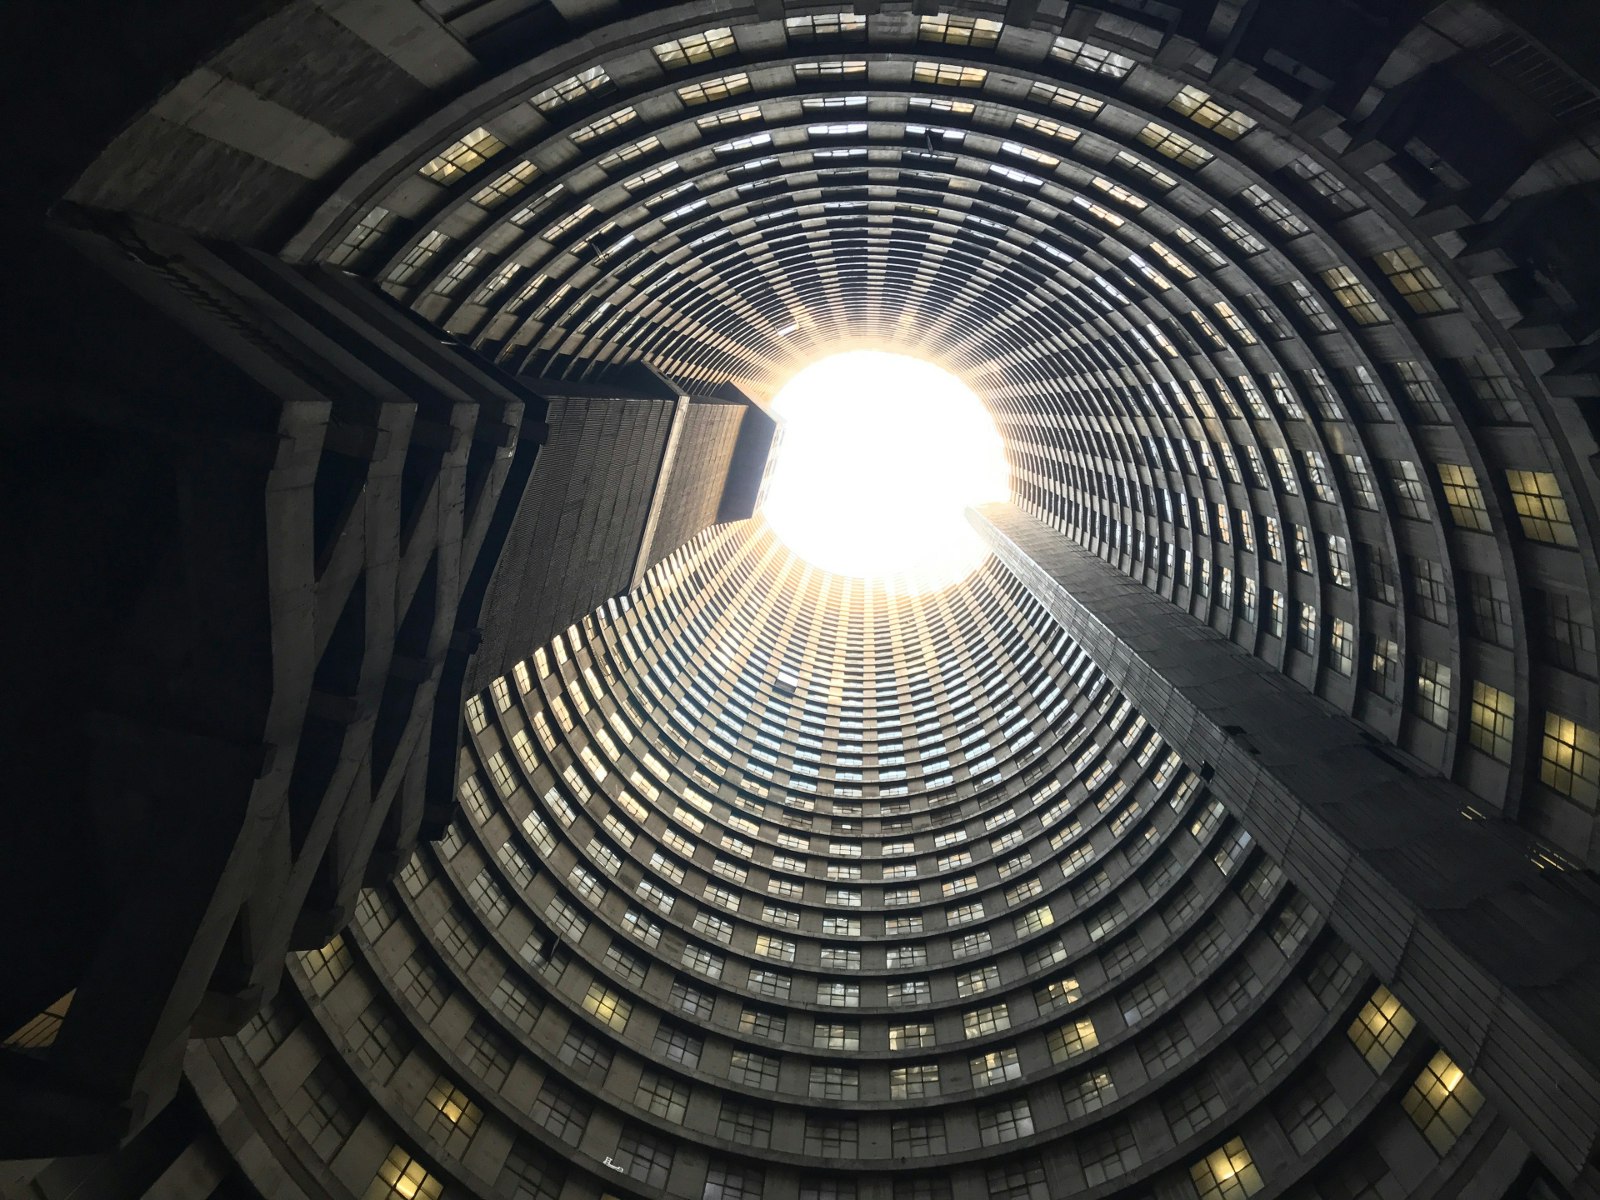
x=879 y=456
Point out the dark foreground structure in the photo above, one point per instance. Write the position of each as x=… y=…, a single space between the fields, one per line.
x=427 y=775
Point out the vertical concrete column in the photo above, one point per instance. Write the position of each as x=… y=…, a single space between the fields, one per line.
x=1500 y=960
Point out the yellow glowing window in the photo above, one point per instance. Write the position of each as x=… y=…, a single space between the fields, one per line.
x=403 y=1176
x=1047 y=127
x=1416 y=281
x=1227 y=1173
x=1493 y=715
x=1569 y=760
x=1200 y=108
x=1442 y=1102
x=949 y=74
x=1381 y=1028
x=460 y=157
x=1174 y=146
x=606 y=1005
x=713 y=90
x=1355 y=296
x=1065 y=98
x=1541 y=507
x=695 y=48
x=1464 y=496
x=959 y=31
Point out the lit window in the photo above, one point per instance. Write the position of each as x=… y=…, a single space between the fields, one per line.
x=607 y=124
x=403 y=1177
x=949 y=74
x=463 y=156
x=1072 y=1039
x=825 y=25
x=1227 y=1173
x=1355 y=296
x=695 y=48
x=1174 y=146
x=1442 y=1102
x=959 y=31
x=1464 y=496
x=1065 y=98
x=1381 y=1028
x=713 y=90
x=1416 y=281
x=1492 y=721
x=1569 y=760
x=1541 y=507
x=1203 y=110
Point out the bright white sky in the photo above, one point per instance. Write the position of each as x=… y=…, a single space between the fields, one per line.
x=880 y=456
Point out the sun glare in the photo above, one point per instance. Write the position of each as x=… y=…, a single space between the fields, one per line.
x=879 y=457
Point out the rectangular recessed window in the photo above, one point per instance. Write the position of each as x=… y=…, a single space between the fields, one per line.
x=402 y=1177
x=959 y=31
x=1541 y=507
x=1200 y=108
x=1088 y=57
x=462 y=156
x=1354 y=295
x=1062 y=97
x=1433 y=692
x=1465 y=498
x=948 y=74
x=712 y=90
x=1179 y=149
x=1227 y=1173
x=694 y=48
x=1415 y=281
x=1381 y=1028
x=1442 y=1102
x=1492 y=715
x=593 y=79
x=1569 y=760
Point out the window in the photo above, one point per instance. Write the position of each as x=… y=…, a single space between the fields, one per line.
x=1200 y=108
x=1540 y=505
x=1072 y=1039
x=1492 y=721
x=918 y=1137
x=725 y=1182
x=713 y=90
x=1227 y=1173
x=1430 y=591
x=1489 y=608
x=1005 y=1122
x=404 y=1178
x=836 y=1037
x=662 y=1097
x=1354 y=295
x=1464 y=496
x=1569 y=760
x=1442 y=1102
x=1179 y=149
x=750 y=1127
x=1381 y=1028
x=1433 y=692
x=325 y=967
x=695 y=48
x=959 y=31
x=1193 y=1107
x=463 y=156
x=449 y=1116
x=1342 y=646
x=995 y=1068
x=753 y=1069
x=591 y=80
x=910 y=1037
x=1416 y=282
x=832 y=1082
x=608 y=1007
x=948 y=74
x=1088 y=57
x=909 y=1083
